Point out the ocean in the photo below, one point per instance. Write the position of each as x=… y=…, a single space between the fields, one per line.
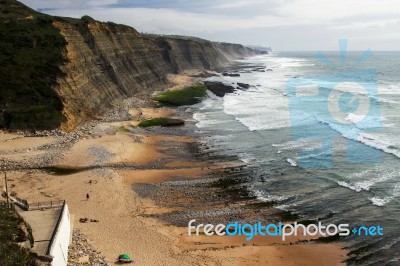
x=312 y=158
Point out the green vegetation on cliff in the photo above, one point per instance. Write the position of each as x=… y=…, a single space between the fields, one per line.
x=186 y=96
x=174 y=37
x=10 y=252
x=163 y=122
x=31 y=52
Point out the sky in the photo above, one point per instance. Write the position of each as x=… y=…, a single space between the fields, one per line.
x=283 y=25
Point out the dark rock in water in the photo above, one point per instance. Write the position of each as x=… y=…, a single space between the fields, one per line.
x=169 y=122
x=269 y=69
x=203 y=74
x=243 y=85
x=219 y=88
x=258 y=69
x=230 y=74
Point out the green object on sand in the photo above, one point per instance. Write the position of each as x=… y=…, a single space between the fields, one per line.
x=186 y=96
x=124 y=257
x=164 y=122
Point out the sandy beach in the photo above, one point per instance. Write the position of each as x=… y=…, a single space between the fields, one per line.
x=118 y=157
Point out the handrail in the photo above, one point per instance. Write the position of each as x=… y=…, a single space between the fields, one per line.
x=20 y=202
x=53 y=235
x=45 y=204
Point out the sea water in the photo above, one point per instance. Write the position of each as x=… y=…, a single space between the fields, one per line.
x=257 y=125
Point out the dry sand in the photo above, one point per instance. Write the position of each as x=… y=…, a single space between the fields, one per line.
x=122 y=227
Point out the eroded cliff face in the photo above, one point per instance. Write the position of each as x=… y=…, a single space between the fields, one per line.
x=109 y=62
x=106 y=63
x=77 y=67
x=233 y=51
x=184 y=54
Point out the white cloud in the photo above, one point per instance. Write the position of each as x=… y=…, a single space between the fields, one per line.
x=68 y=4
x=316 y=11
x=173 y=20
x=334 y=14
x=238 y=4
x=319 y=20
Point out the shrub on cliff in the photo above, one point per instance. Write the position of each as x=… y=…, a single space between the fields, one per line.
x=31 y=53
x=87 y=18
x=186 y=96
x=10 y=252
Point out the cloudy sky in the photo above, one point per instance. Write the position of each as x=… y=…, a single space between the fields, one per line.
x=282 y=24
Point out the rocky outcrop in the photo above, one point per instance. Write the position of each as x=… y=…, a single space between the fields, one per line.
x=243 y=85
x=219 y=88
x=103 y=63
x=81 y=252
x=225 y=74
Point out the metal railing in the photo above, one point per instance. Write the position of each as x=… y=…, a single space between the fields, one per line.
x=45 y=205
x=23 y=204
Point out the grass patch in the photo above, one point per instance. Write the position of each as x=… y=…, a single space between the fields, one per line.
x=186 y=96
x=163 y=122
x=10 y=252
x=123 y=129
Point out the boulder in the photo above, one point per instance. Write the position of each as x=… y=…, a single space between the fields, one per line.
x=243 y=85
x=225 y=74
x=219 y=88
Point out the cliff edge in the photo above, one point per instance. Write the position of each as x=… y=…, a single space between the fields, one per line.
x=58 y=72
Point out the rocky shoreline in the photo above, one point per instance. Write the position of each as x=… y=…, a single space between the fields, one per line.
x=81 y=252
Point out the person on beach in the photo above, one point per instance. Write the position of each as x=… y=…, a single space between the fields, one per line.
x=87 y=196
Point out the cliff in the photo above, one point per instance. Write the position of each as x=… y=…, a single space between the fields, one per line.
x=76 y=68
x=106 y=62
x=183 y=53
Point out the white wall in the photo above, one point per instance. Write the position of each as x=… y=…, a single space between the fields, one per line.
x=59 y=247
